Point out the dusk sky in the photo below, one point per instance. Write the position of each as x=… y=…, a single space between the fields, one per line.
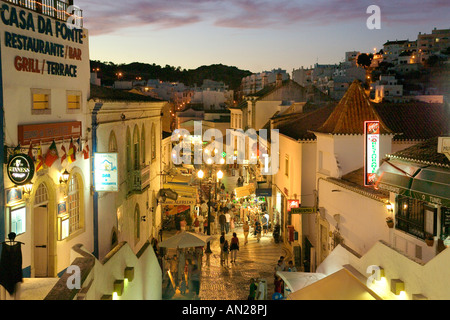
x=255 y=35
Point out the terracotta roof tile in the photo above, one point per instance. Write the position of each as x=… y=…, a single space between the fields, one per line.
x=350 y=114
x=415 y=120
x=299 y=126
x=424 y=153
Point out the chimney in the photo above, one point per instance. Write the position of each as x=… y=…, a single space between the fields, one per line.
x=279 y=80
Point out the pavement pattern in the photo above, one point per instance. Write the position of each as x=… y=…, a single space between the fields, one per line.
x=231 y=282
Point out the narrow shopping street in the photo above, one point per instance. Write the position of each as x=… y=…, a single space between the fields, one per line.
x=254 y=260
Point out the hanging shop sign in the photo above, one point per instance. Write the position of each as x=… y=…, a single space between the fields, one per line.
x=303 y=210
x=21 y=169
x=293 y=204
x=372 y=152
x=49 y=132
x=106 y=172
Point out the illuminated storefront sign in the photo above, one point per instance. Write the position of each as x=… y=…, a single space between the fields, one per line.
x=372 y=151
x=24 y=21
x=106 y=173
x=293 y=204
x=20 y=169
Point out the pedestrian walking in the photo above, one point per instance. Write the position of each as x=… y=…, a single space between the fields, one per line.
x=222 y=222
x=225 y=250
x=232 y=224
x=246 y=229
x=183 y=224
x=234 y=247
x=258 y=231
x=228 y=221
x=221 y=242
x=253 y=288
x=196 y=225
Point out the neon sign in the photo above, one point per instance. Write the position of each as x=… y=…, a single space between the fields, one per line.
x=372 y=151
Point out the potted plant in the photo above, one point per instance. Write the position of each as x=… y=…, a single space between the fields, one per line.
x=390 y=222
x=429 y=239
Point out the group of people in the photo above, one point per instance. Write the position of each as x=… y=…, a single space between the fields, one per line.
x=282 y=267
x=185 y=270
x=228 y=247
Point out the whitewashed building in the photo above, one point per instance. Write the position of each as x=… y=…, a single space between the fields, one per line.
x=45 y=75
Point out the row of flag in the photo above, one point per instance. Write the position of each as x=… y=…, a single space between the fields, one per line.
x=52 y=154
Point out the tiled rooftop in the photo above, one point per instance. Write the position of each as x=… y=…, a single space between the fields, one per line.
x=423 y=153
x=415 y=120
x=350 y=114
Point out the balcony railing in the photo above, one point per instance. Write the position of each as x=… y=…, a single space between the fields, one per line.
x=52 y=8
x=139 y=179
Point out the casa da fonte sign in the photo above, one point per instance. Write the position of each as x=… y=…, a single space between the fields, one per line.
x=24 y=20
x=20 y=169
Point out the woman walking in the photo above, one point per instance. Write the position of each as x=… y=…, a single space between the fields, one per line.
x=225 y=250
x=234 y=247
x=246 y=228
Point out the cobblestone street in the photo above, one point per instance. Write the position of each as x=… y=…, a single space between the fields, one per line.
x=254 y=260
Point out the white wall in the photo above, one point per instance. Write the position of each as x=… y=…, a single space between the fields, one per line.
x=145 y=114
x=362 y=219
x=17 y=87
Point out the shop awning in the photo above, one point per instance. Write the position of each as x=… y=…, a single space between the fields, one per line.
x=245 y=191
x=295 y=281
x=396 y=176
x=182 y=190
x=341 y=285
x=430 y=184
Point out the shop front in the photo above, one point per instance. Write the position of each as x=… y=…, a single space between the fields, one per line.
x=421 y=199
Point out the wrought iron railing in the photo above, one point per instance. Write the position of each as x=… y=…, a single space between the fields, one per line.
x=52 y=8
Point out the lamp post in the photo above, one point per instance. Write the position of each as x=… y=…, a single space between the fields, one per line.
x=201 y=175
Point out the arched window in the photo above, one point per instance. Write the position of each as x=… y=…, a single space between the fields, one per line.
x=112 y=147
x=129 y=166
x=143 y=148
x=41 y=197
x=153 y=142
x=74 y=204
x=137 y=224
x=136 y=158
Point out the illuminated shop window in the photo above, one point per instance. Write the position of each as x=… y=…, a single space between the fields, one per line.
x=73 y=100
x=74 y=204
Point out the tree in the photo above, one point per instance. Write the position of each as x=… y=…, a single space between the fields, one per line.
x=365 y=60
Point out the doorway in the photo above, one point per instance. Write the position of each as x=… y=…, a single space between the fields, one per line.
x=41 y=244
x=44 y=230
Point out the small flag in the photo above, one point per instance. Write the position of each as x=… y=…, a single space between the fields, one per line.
x=39 y=160
x=52 y=155
x=72 y=154
x=30 y=152
x=79 y=144
x=86 y=152
x=64 y=157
